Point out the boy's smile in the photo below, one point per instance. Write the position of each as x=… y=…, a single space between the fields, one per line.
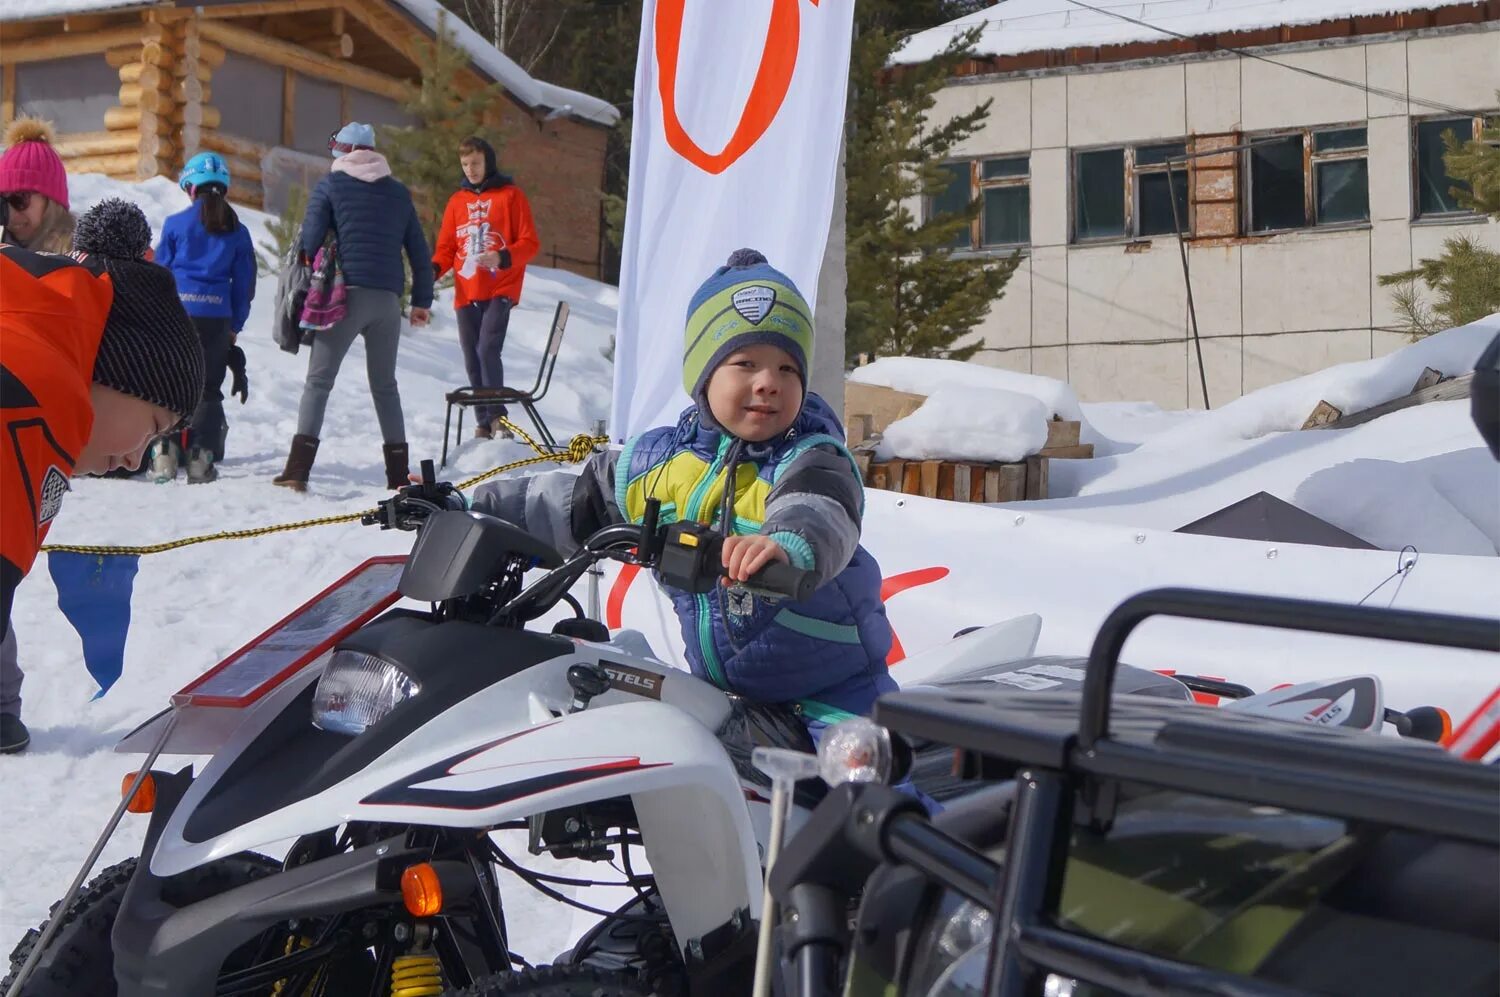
x=756 y=393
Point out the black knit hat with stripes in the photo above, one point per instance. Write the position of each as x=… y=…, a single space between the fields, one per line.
x=150 y=348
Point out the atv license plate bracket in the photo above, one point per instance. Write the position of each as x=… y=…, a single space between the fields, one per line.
x=298 y=639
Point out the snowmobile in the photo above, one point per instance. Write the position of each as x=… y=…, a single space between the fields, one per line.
x=1121 y=845
x=398 y=760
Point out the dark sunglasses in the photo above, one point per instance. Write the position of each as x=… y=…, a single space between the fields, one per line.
x=19 y=201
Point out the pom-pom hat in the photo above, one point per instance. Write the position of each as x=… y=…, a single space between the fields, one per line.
x=30 y=162
x=744 y=302
x=150 y=348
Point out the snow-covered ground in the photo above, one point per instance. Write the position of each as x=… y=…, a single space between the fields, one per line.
x=1416 y=477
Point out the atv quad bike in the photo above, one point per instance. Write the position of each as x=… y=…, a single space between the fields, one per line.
x=1129 y=846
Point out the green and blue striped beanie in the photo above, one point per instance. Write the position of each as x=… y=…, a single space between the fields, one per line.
x=746 y=301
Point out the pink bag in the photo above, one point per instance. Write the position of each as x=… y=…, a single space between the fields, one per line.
x=327 y=299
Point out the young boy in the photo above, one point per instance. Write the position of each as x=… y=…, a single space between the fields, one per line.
x=797 y=498
x=97 y=357
x=486 y=238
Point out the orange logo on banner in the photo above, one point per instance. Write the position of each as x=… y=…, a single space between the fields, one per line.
x=772 y=80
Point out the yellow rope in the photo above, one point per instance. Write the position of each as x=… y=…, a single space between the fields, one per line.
x=579 y=449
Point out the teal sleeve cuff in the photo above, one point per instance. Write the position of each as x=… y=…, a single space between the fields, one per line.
x=798 y=550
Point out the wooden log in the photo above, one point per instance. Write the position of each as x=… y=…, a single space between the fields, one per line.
x=7 y=94
x=963 y=482
x=1062 y=433
x=157 y=146
x=879 y=476
x=947 y=482
x=993 y=486
x=206 y=52
x=232 y=145
x=884 y=405
x=1036 y=476
x=191 y=91
x=205 y=116
x=120 y=57
x=124 y=162
x=859 y=428
x=863 y=460
x=151 y=76
x=911 y=478
x=1012 y=483
x=265 y=9
x=1323 y=415
x=129 y=119
x=96 y=143
x=63 y=45
x=928 y=477
x=896 y=474
x=302 y=60
x=1450 y=390
x=1428 y=378
x=1082 y=451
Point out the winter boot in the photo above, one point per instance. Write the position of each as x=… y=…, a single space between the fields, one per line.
x=165 y=456
x=482 y=431
x=397 y=468
x=14 y=737
x=299 y=462
x=200 y=468
x=500 y=431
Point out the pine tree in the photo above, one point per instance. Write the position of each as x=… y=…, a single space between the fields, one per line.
x=284 y=232
x=908 y=294
x=424 y=155
x=1464 y=282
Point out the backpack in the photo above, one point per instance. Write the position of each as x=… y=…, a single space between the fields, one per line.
x=291 y=294
x=327 y=300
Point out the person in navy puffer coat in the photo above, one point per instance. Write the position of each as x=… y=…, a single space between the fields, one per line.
x=373 y=220
x=212 y=258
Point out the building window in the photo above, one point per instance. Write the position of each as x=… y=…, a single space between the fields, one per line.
x=1003 y=187
x=73 y=94
x=1434 y=186
x=1316 y=176
x=1129 y=192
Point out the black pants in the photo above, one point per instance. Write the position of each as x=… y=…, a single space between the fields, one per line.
x=481 y=333
x=208 y=426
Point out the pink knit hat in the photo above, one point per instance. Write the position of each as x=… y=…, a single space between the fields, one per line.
x=30 y=162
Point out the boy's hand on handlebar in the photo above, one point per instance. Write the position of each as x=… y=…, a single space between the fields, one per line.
x=744 y=556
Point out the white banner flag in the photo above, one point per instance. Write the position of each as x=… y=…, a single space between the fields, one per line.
x=739 y=109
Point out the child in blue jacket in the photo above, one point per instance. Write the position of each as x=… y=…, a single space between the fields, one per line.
x=210 y=253
x=797 y=497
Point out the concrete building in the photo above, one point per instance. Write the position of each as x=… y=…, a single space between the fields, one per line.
x=1329 y=118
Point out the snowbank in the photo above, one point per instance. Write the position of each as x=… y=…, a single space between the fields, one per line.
x=966 y=423
x=1041 y=25
x=1350 y=387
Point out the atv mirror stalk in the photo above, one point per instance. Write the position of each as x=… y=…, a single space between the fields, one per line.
x=786 y=768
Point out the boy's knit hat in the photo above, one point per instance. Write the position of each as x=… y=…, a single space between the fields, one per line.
x=150 y=348
x=746 y=301
x=30 y=162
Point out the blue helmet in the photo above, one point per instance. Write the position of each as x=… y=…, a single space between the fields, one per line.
x=206 y=167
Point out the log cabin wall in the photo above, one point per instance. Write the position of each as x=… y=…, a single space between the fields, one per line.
x=134 y=94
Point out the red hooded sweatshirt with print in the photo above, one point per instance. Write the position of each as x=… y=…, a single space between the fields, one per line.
x=489 y=218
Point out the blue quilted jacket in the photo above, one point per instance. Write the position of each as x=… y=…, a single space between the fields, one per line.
x=374 y=220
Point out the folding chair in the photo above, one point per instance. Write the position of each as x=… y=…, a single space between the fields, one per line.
x=463 y=398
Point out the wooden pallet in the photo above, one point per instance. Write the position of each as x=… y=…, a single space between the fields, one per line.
x=963 y=481
x=1431 y=386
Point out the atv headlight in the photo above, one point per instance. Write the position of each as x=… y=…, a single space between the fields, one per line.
x=357 y=690
x=953 y=951
x=855 y=750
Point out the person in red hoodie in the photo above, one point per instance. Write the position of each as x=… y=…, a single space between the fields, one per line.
x=487 y=238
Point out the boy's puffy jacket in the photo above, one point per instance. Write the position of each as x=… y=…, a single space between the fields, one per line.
x=496 y=216
x=827 y=653
x=374 y=220
x=215 y=272
x=52 y=314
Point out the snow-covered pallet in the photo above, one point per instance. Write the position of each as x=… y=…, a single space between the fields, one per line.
x=960 y=481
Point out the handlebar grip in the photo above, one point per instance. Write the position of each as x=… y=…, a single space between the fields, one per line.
x=784 y=580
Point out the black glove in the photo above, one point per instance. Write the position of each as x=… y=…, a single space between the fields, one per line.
x=504 y=259
x=437 y=270
x=241 y=383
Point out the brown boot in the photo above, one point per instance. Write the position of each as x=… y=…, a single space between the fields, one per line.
x=397 y=467
x=299 y=462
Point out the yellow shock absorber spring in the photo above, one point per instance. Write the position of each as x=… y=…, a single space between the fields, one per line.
x=417 y=976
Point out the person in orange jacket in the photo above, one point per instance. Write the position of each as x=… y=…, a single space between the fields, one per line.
x=487 y=238
x=97 y=358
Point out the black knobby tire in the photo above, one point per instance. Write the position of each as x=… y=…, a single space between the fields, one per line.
x=81 y=959
x=558 y=981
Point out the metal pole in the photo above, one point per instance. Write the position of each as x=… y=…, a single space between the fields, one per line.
x=781 y=792
x=1187 y=281
x=55 y=922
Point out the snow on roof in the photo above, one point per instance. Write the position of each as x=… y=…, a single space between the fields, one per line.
x=1016 y=26
x=486 y=58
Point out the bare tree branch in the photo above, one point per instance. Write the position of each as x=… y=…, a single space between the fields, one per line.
x=561 y=20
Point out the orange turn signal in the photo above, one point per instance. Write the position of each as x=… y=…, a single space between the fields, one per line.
x=144 y=800
x=421 y=891
x=1447 y=737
